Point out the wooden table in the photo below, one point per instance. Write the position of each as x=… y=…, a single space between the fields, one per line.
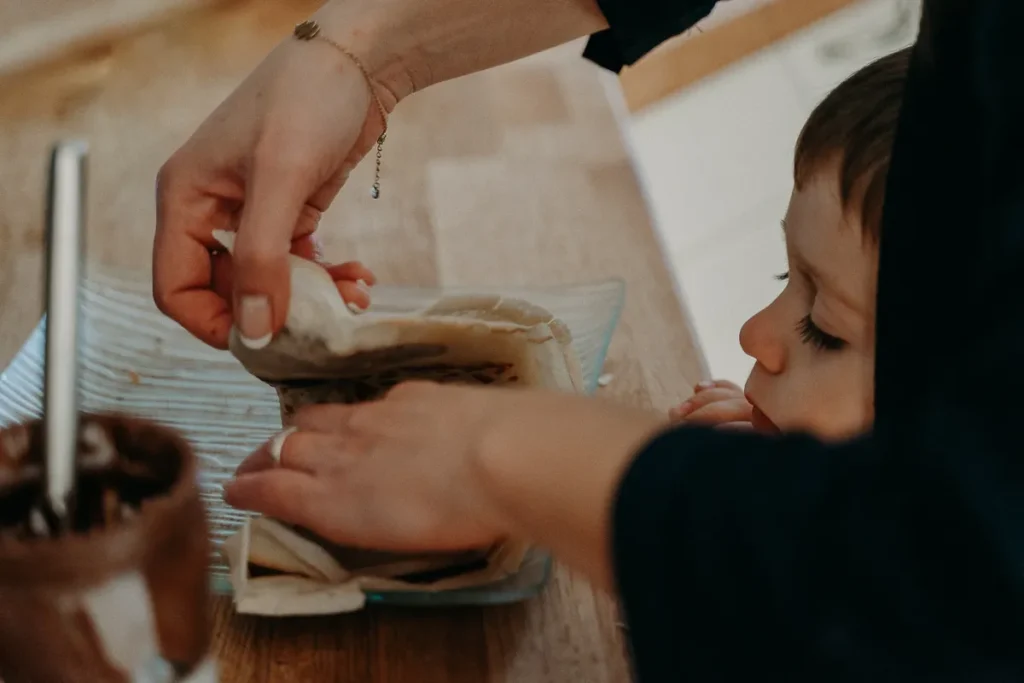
x=515 y=175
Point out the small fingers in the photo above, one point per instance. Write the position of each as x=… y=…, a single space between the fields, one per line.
x=721 y=412
x=738 y=426
x=704 y=398
x=716 y=384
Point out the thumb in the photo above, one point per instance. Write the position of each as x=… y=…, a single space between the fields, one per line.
x=275 y=196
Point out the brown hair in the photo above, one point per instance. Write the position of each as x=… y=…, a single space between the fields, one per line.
x=855 y=125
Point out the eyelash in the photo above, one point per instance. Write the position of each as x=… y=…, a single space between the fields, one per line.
x=812 y=334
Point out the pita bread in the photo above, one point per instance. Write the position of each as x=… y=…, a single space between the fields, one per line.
x=300 y=586
x=328 y=353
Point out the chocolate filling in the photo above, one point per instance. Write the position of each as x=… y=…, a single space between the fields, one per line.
x=120 y=465
x=295 y=394
x=136 y=512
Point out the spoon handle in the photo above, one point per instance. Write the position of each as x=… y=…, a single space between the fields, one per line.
x=65 y=228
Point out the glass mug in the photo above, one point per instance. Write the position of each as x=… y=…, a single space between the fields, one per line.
x=121 y=595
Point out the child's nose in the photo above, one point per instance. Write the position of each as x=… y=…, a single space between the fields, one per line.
x=759 y=340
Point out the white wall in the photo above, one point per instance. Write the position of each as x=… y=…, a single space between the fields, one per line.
x=716 y=164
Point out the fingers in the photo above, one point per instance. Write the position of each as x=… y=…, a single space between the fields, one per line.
x=257 y=461
x=721 y=412
x=275 y=210
x=352 y=271
x=346 y=276
x=716 y=384
x=702 y=398
x=353 y=281
x=303 y=451
x=714 y=405
x=313 y=452
x=181 y=261
x=288 y=495
x=738 y=426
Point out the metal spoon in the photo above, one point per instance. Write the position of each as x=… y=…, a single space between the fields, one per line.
x=65 y=227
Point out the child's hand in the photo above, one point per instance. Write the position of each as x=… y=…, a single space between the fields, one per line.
x=719 y=403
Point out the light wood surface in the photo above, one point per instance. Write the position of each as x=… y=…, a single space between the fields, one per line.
x=515 y=175
x=700 y=53
x=38 y=31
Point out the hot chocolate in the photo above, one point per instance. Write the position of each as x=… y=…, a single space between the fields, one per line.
x=123 y=588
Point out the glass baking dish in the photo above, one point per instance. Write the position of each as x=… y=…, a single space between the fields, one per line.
x=136 y=360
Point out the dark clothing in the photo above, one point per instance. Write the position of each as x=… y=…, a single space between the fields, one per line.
x=899 y=556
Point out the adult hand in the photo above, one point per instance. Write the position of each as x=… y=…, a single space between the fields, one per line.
x=267 y=163
x=434 y=467
x=273 y=156
x=715 y=403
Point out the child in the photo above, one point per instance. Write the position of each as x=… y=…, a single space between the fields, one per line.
x=815 y=343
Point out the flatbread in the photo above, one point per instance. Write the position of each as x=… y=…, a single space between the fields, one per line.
x=328 y=353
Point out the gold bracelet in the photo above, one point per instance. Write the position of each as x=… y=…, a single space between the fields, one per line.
x=308 y=30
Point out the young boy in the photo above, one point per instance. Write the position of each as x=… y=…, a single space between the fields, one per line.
x=815 y=343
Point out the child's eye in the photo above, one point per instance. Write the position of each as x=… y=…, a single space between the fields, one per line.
x=812 y=334
x=782 y=276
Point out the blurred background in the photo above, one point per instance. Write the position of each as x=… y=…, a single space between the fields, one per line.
x=684 y=161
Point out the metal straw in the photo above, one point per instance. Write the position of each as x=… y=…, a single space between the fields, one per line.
x=65 y=227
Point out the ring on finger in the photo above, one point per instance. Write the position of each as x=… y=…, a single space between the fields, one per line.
x=276 y=446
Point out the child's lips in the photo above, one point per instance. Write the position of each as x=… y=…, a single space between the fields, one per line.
x=760 y=421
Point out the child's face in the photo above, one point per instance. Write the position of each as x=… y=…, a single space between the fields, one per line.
x=815 y=344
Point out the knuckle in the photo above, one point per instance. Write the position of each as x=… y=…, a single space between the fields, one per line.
x=161 y=299
x=412 y=390
x=258 y=255
x=706 y=398
x=171 y=177
x=366 y=417
x=166 y=175
x=319 y=417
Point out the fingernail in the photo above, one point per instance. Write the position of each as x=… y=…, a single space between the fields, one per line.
x=354 y=307
x=255 y=321
x=361 y=284
x=706 y=384
x=684 y=409
x=277 y=444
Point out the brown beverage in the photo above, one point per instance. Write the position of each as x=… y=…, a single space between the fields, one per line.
x=121 y=593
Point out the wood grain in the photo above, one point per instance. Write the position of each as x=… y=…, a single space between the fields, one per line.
x=510 y=176
x=684 y=60
x=36 y=32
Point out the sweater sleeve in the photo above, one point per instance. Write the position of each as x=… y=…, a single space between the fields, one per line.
x=635 y=27
x=898 y=556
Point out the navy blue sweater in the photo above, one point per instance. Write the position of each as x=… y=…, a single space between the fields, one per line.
x=899 y=556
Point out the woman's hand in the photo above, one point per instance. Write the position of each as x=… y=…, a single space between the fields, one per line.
x=267 y=163
x=716 y=403
x=399 y=474
x=270 y=160
x=434 y=467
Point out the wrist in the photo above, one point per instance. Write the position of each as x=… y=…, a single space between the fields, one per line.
x=371 y=31
x=407 y=45
x=487 y=465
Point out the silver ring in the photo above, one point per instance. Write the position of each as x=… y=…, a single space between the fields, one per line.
x=277 y=444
